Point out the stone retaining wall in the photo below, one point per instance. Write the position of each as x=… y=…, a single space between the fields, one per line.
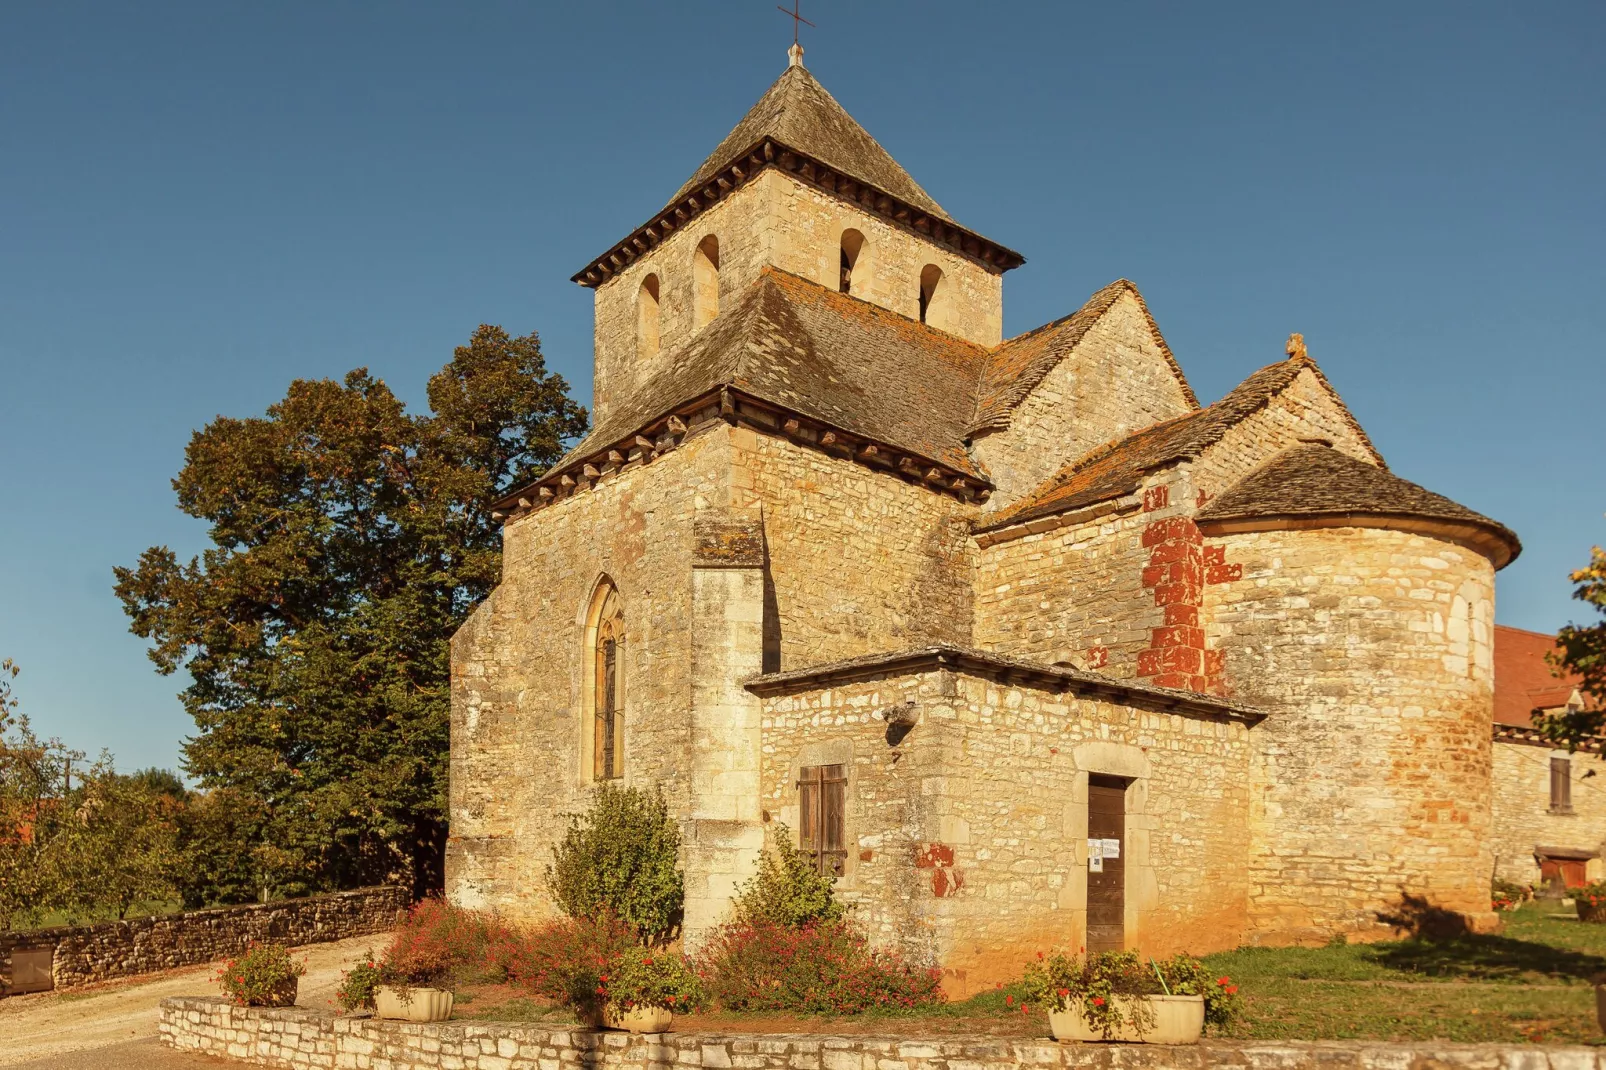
x=89 y=953
x=313 y=1040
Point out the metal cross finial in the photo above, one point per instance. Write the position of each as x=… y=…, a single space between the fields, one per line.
x=795 y=16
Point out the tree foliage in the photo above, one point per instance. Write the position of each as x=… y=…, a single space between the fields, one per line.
x=788 y=890
x=619 y=859
x=1582 y=650
x=350 y=539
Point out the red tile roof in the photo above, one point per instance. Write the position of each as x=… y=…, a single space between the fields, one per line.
x=1523 y=679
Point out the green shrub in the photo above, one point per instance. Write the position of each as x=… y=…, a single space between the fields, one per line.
x=566 y=961
x=356 y=991
x=645 y=977
x=787 y=890
x=823 y=967
x=1508 y=895
x=265 y=976
x=619 y=859
x=1094 y=983
x=439 y=944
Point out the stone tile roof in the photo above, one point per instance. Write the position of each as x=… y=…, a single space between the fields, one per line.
x=823 y=355
x=798 y=112
x=1020 y=363
x=1319 y=481
x=1037 y=673
x=1117 y=468
x=1523 y=680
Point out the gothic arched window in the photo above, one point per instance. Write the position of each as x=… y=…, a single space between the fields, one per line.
x=705 y=282
x=647 y=317
x=607 y=684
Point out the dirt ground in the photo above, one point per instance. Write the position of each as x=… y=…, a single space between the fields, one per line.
x=47 y=1024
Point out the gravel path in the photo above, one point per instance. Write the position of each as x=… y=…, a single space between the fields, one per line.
x=37 y=1030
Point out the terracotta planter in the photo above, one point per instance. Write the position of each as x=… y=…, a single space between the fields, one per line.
x=638 y=1019
x=412 y=1004
x=1177 y=1020
x=1586 y=912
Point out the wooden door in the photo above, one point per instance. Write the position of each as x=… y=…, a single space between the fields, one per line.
x=1570 y=872
x=1106 y=879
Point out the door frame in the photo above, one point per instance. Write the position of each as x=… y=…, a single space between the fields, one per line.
x=1141 y=891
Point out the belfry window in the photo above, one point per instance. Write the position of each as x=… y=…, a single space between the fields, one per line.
x=647 y=317
x=852 y=250
x=705 y=282
x=607 y=686
x=822 y=795
x=930 y=288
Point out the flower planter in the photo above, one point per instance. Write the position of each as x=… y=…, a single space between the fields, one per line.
x=1600 y=1006
x=1588 y=911
x=1177 y=1020
x=412 y=1004
x=638 y=1019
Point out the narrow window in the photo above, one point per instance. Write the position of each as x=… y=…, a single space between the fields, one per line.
x=1561 y=784
x=705 y=282
x=930 y=285
x=852 y=247
x=647 y=317
x=822 y=792
x=608 y=700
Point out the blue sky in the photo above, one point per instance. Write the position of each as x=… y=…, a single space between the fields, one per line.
x=200 y=202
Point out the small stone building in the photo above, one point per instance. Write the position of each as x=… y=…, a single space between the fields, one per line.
x=1015 y=637
x=1549 y=808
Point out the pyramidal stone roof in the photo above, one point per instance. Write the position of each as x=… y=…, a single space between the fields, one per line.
x=798 y=112
x=800 y=128
x=1316 y=482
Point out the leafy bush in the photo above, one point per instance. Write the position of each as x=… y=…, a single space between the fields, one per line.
x=356 y=991
x=787 y=890
x=1098 y=982
x=644 y=977
x=1185 y=975
x=567 y=961
x=619 y=858
x=824 y=967
x=1508 y=895
x=441 y=943
x=265 y=976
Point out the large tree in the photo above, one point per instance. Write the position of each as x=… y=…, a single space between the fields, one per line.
x=351 y=538
x=1581 y=650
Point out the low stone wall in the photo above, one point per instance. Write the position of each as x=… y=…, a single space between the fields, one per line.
x=100 y=952
x=314 y=1040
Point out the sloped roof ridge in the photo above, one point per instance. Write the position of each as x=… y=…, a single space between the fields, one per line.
x=801 y=113
x=1317 y=480
x=1006 y=382
x=1116 y=467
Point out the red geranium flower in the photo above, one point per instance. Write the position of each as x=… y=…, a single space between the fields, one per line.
x=1098 y=1001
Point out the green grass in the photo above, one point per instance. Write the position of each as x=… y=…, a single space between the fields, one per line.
x=138 y=910
x=1529 y=982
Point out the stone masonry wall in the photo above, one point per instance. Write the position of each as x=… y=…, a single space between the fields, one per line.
x=1372 y=649
x=1115 y=382
x=777 y=220
x=967 y=836
x=518 y=744
x=859 y=561
x=1304 y=409
x=86 y=954
x=1523 y=819
x=319 y=1040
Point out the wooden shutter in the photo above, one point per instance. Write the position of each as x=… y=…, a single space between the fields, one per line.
x=822 y=797
x=1561 y=784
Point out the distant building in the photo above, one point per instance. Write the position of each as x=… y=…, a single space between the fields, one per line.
x=1549 y=811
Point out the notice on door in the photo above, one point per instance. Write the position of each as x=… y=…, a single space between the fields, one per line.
x=1110 y=849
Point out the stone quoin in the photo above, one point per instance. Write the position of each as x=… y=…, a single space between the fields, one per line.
x=1013 y=636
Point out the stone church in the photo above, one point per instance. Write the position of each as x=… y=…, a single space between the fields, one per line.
x=1015 y=637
